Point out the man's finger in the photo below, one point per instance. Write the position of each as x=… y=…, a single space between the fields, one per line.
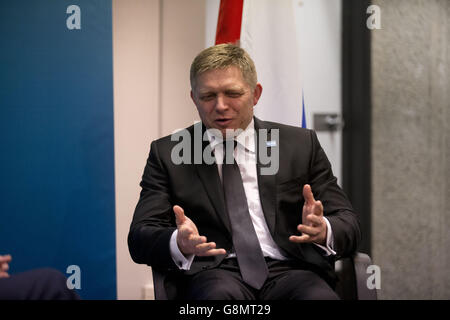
x=203 y=247
x=197 y=240
x=4 y=267
x=5 y=258
x=304 y=238
x=318 y=208
x=180 y=218
x=308 y=195
x=208 y=249
x=213 y=252
x=310 y=231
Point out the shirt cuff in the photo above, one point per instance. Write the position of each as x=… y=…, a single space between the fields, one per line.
x=330 y=243
x=182 y=262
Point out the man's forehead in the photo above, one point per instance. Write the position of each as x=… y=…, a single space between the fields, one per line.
x=230 y=77
x=201 y=88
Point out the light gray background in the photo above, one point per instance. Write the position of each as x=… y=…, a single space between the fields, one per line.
x=411 y=149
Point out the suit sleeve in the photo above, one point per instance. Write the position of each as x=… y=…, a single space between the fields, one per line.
x=337 y=208
x=153 y=221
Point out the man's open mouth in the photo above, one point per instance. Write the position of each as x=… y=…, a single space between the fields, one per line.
x=224 y=121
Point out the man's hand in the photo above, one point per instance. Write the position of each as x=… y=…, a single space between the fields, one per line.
x=188 y=239
x=313 y=227
x=4 y=265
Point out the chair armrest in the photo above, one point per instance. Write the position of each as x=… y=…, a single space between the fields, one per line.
x=352 y=275
x=361 y=261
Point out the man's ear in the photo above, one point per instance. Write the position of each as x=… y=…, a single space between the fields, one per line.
x=192 y=96
x=257 y=93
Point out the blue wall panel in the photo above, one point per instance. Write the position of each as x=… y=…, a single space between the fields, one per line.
x=57 y=202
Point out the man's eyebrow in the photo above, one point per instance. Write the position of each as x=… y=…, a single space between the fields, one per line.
x=238 y=89
x=203 y=92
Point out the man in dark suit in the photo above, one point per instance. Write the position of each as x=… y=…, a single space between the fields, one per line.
x=186 y=224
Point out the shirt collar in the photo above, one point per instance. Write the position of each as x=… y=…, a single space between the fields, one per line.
x=246 y=138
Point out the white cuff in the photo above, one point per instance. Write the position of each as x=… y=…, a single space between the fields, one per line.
x=182 y=262
x=330 y=243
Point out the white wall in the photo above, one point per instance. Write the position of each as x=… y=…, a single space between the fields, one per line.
x=319 y=28
x=154 y=42
x=136 y=122
x=183 y=25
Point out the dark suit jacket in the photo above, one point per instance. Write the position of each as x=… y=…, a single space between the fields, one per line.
x=197 y=189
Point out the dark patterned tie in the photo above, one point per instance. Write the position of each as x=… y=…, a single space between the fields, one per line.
x=246 y=244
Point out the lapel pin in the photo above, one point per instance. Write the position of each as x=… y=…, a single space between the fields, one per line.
x=271 y=143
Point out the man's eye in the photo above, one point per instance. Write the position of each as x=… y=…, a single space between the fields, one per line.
x=207 y=97
x=234 y=94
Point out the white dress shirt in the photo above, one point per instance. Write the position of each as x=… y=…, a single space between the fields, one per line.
x=245 y=155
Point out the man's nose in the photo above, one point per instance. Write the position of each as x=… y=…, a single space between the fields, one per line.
x=221 y=103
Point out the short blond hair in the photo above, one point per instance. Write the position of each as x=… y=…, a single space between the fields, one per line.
x=222 y=56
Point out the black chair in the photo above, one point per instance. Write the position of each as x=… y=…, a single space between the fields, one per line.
x=351 y=272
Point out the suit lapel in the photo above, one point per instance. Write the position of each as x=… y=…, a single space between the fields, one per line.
x=266 y=183
x=209 y=176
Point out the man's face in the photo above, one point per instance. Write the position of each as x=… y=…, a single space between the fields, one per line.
x=224 y=99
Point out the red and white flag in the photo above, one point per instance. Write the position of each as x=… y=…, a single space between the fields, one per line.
x=266 y=29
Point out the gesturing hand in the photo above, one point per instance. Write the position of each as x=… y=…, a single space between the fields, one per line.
x=188 y=239
x=4 y=265
x=313 y=227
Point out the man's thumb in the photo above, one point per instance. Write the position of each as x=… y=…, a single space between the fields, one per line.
x=179 y=215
